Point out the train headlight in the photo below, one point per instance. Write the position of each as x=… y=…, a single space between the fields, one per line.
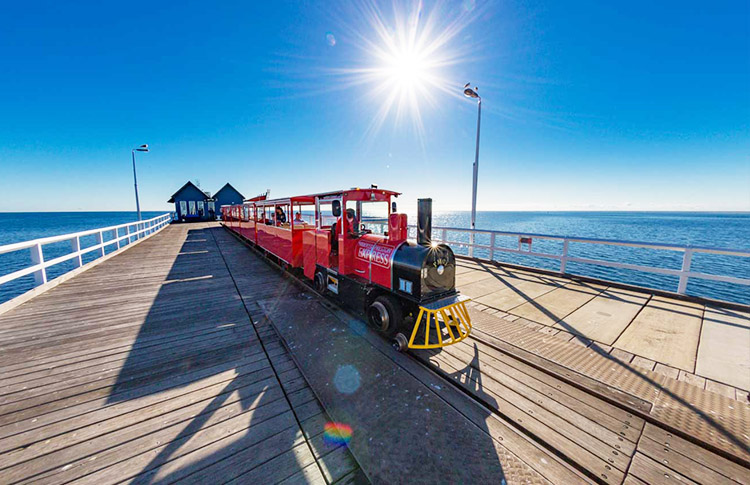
x=440 y=269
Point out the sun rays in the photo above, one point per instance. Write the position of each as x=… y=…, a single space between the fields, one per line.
x=404 y=60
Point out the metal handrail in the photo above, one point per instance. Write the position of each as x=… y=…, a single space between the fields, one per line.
x=684 y=273
x=39 y=266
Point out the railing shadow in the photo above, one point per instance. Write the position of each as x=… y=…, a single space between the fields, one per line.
x=711 y=421
x=197 y=350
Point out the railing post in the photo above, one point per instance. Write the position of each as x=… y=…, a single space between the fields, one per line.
x=492 y=246
x=564 y=259
x=100 y=242
x=444 y=236
x=116 y=233
x=686 y=260
x=471 y=244
x=127 y=233
x=37 y=257
x=75 y=246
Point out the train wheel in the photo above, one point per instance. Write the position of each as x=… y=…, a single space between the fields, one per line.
x=400 y=343
x=320 y=282
x=384 y=314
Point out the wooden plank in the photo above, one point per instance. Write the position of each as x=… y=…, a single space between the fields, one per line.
x=699 y=455
x=61 y=434
x=654 y=473
x=585 y=445
x=226 y=458
x=549 y=390
x=110 y=390
x=554 y=306
x=170 y=431
x=681 y=464
x=723 y=353
x=605 y=317
x=666 y=331
x=603 y=388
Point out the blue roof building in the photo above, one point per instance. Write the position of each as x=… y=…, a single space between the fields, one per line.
x=193 y=204
x=227 y=195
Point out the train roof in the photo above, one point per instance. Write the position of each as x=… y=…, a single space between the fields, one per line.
x=310 y=199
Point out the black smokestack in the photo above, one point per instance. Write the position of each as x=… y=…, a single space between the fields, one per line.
x=424 y=222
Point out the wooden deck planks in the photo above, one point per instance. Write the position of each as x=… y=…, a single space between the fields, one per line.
x=148 y=365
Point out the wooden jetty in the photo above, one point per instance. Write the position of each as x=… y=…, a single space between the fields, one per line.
x=190 y=358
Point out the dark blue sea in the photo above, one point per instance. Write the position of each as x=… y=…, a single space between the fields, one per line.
x=719 y=230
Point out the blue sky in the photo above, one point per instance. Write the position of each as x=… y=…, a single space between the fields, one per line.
x=630 y=106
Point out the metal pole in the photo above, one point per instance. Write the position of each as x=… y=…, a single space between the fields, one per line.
x=135 y=183
x=476 y=169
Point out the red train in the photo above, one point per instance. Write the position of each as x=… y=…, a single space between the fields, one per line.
x=404 y=287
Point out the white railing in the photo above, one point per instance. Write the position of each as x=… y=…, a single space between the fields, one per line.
x=684 y=273
x=131 y=231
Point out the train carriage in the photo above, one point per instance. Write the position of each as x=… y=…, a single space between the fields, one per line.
x=406 y=288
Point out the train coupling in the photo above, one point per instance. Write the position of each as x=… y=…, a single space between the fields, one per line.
x=441 y=323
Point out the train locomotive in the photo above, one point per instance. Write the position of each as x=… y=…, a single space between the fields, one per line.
x=406 y=288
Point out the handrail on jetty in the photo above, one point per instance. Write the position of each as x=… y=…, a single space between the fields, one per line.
x=684 y=273
x=132 y=231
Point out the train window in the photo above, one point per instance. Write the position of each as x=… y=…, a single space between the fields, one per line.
x=326 y=214
x=374 y=216
x=269 y=217
x=282 y=216
x=303 y=215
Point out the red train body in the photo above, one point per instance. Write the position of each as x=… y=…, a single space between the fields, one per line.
x=405 y=287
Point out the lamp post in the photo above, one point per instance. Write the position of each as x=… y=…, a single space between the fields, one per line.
x=142 y=148
x=472 y=93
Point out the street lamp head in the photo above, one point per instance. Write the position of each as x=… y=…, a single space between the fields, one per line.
x=470 y=93
x=142 y=148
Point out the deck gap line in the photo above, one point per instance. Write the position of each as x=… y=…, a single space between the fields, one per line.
x=273 y=368
x=625 y=327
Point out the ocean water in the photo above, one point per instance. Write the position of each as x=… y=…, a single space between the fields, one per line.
x=719 y=230
x=714 y=230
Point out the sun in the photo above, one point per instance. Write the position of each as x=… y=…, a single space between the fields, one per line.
x=405 y=69
x=406 y=58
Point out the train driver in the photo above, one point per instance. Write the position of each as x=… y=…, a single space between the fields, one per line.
x=351 y=226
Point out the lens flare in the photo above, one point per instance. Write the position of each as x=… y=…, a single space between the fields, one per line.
x=337 y=434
